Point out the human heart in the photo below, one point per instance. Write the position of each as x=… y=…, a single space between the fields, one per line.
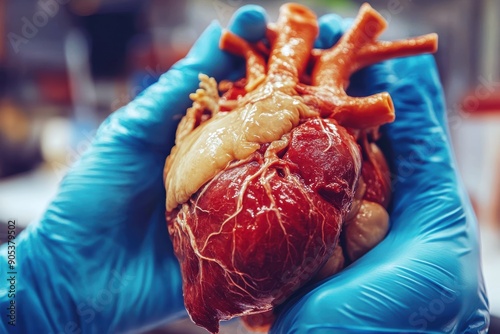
x=278 y=182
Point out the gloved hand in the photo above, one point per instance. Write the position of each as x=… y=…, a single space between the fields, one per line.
x=425 y=276
x=100 y=260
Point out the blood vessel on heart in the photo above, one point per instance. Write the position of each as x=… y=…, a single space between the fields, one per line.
x=279 y=182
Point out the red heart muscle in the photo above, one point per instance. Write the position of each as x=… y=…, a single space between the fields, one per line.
x=279 y=182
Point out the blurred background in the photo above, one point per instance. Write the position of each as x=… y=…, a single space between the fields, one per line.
x=66 y=64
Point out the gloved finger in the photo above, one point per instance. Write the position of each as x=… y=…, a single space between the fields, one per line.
x=331 y=28
x=243 y=24
x=152 y=117
x=249 y=22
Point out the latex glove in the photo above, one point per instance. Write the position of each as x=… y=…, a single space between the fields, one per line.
x=425 y=276
x=100 y=260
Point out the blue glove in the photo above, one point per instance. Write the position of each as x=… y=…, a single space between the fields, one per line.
x=425 y=276
x=100 y=260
